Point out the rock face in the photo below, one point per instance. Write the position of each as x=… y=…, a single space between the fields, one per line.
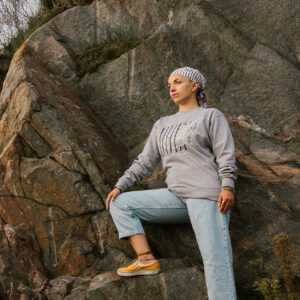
x=66 y=136
x=20 y=261
x=110 y=286
x=5 y=58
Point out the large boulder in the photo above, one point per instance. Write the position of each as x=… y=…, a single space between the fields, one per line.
x=71 y=123
x=20 y=261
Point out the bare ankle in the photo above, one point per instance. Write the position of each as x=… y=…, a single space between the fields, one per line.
x=146 y=257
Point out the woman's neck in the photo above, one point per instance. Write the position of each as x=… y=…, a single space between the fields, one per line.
x=188 y=106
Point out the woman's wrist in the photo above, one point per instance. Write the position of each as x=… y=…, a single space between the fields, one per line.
x=118 y=188
x=228 y=187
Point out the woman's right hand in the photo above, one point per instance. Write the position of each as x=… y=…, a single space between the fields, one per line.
x=111 y=196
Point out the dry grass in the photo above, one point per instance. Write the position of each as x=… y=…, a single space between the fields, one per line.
x=90 y=58
x=281 y=286
x=113 y=43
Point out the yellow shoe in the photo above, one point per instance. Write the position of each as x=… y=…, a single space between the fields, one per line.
x=139 y=269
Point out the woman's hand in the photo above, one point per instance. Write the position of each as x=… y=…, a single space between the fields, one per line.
x=111 y=196
x=226 y=200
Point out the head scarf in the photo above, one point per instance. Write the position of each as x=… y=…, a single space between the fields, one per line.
x=195 y=75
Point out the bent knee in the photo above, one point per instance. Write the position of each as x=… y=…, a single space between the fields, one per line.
x=118 y=203
x=121 y=199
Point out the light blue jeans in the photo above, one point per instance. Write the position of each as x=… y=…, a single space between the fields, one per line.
x=210 y=227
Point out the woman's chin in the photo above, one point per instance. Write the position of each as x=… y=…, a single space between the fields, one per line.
x=177 y=101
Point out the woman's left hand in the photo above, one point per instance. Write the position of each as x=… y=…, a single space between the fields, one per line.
x=226 y=200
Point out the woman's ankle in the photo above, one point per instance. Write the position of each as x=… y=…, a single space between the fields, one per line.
x=147 y=257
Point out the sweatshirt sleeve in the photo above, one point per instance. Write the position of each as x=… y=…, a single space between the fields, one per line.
x=223 y=148
x=143 y=166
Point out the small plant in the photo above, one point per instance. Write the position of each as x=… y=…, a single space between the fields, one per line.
x=287 y=255
x=49 y=9
x=92 y=57
x=113 y=43
x=34 y=22
x=63 y=4
x=270 y=288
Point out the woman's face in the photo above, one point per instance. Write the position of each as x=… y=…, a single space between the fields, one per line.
x=182 y=89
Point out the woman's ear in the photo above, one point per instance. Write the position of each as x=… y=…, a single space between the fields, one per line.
x=195 y=86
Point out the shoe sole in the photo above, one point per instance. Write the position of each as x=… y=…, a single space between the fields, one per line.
x=140 y=272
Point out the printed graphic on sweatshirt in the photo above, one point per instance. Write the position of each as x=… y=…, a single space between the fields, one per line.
x=175 y=138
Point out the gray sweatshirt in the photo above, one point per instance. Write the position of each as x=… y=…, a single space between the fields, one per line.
x=197 y=152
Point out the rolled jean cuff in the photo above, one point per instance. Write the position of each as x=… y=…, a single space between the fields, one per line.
x=122 y=235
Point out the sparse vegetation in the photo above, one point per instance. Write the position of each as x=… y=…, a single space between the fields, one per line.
x=94 y=53
x=63 y=4
x=34 y=22
x=270 y=288
x=14 y=17
x=281 y=286
x=49 y=9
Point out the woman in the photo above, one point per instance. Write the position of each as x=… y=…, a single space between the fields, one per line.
x=197 y=152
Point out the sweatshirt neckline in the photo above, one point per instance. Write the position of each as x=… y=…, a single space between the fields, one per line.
x=183 y=112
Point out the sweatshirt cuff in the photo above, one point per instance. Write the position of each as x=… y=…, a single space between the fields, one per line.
x=228 y=181
x=120 y=188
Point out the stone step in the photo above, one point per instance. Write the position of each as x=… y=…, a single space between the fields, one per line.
x=171 y=283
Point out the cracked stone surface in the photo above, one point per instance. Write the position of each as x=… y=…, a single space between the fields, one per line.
x=65 y=140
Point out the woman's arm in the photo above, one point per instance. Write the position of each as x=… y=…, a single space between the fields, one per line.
x=223 y=149
x=144 y=165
